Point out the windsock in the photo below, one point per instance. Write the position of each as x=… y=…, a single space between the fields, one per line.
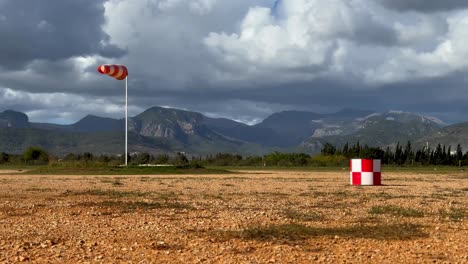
x=119 y=72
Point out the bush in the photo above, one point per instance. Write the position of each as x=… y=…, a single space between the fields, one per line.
x=161 y=159
x=4 y=158
x=36 y=156
x=287 y=159
x=141 y=158
x=70 y=157
x=324 y=161
x=180 y=160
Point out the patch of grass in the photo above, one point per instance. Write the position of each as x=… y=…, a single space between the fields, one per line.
x=338 y=194
x=421 y=169
x=218 y=196
x=384 y=195
x=463 y=175
x=239 y=178
x=115 y=182
x=35 y=189
x=381 y=195
x=396 y=211
x=167 y=196
x=270 y=193
x=387 y=168
x=131 y=205
x=442 y=194
x=455 y=192
x=294 y=232
x=454 y=214
x=19 y=167
x=278 y=168
x=62 y=169
x=300 y=216
x=108 y=193
x=126 y=206
x=145 y=179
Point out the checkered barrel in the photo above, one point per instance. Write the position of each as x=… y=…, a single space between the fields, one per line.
x=365 y=172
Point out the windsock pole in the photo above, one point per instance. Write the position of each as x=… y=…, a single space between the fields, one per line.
x=119 y=72
x=126 y=120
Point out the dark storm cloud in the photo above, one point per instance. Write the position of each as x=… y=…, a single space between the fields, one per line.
x=327 y=95
x=64 y=76
x=425 y=5
x=360 y=61
x=52 y=30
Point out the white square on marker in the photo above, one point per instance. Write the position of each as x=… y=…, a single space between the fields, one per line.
x=356 y=165
x=367 y=178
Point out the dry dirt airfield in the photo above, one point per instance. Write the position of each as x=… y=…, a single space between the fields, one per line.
x=248 y=217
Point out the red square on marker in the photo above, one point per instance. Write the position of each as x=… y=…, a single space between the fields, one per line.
x=356 y=178
x=377 y=178
x=367 y=165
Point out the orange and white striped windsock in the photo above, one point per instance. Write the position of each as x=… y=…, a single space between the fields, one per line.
x=119 y=72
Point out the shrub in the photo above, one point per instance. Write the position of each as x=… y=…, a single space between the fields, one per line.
x=4 y=158
x=180 y=160
x=36 y=156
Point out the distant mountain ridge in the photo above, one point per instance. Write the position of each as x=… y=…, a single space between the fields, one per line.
x=376 y=129
x=11 y=118
x=167 y=130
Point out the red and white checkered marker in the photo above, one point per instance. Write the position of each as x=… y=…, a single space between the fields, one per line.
x=119 y=72
x=365 y=172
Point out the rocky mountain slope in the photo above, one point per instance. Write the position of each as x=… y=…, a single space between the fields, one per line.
x=376 y=129
x=166 y=130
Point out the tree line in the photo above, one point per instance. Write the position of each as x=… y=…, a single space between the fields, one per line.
x=38 y=156
x=400 y=155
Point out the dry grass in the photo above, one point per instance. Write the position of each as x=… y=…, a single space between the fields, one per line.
x=454 y=214
x=396 y=211
x=126 y=206
x=108 y=193
x=301 y=216
x=252 y=217
x=293 y=232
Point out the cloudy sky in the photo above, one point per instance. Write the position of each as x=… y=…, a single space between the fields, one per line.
x=242 y=59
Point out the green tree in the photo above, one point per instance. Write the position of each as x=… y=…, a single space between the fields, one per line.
x=4 y=158
x=70 y=157
x=87 y=156
x=459 y=154
x=372 y=153
x=181 y=160
x=161 y=159
x=36 y=156
x=328 y=149
x=399 y=158
x=141 y=158
x=346 y=150
x=408 y=154
x=438 y=155
x=388 y=156
x=104 y=159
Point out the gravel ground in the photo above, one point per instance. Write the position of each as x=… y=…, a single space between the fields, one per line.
x=248 y=217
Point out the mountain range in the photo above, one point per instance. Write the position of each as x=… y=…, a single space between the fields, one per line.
x=166 y=130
